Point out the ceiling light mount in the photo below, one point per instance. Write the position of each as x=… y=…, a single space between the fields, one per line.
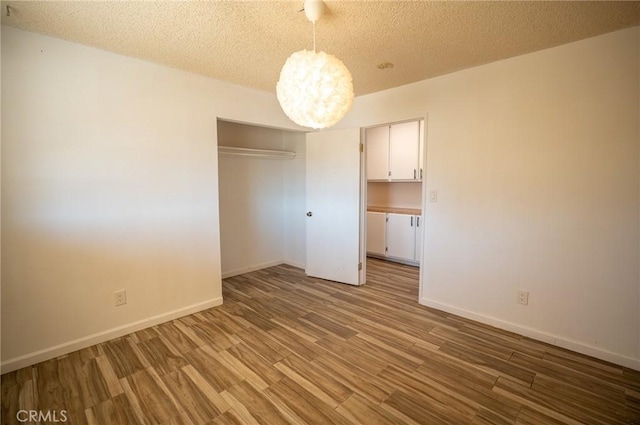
x=313 y=9
x=315 y=88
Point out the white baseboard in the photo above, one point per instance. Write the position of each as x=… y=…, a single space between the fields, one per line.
x=537 y=335
x=250 y=269
x=394 y=259
x=96 y=338
x=295 y=264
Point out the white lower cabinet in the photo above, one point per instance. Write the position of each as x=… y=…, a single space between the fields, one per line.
x=396 y=236
x=401 y=236
x=376 y=232
x=418 y=251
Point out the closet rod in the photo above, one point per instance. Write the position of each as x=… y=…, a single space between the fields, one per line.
x=258 y=153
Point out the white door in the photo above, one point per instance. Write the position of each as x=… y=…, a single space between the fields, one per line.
x=401 y=236
x=333 y=205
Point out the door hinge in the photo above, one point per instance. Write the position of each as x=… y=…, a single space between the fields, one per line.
x=359 y=266
x=386 y=248
x=386 y=219
x=361 y=147
x=389 y=173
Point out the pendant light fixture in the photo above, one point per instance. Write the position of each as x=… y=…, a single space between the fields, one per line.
x=315 y=88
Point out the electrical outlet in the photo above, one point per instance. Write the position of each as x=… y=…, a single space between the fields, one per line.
x=120 y=297
x=522 y=297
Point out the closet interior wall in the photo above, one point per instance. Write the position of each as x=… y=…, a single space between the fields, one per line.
x=262 y=200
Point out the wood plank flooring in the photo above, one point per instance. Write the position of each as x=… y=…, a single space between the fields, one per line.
x=288 y=349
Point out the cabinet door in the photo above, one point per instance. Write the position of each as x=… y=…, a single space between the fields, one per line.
x=376 y=230
x=404 y=150
x=419 y=227
x=377 y=147
x=401 y=236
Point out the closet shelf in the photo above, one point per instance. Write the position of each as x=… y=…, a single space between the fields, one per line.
x=258 y=153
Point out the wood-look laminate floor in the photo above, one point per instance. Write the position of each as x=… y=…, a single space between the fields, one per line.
x=285 y=348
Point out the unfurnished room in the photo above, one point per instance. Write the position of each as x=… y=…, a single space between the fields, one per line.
x=320 y=212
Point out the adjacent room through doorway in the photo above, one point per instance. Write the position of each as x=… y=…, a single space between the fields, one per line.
x=394 y=194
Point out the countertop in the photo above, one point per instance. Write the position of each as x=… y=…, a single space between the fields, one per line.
x=393 y=210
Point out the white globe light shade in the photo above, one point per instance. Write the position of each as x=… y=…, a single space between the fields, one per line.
x=315 y=89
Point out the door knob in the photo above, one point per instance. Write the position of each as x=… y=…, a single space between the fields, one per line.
x=309 y=214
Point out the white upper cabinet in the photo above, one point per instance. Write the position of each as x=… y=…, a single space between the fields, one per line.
x=377 y=140
x=404 y=149
x=394 y=152
x=421 y=152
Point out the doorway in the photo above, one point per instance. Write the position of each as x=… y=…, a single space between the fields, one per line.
x=395 y=174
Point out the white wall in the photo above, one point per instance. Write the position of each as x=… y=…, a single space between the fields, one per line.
x=535 y=160
x=260 y=211
x=109 y=181
x=399 y=195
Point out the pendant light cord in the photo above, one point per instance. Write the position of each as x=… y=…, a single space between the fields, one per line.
x=314 y=36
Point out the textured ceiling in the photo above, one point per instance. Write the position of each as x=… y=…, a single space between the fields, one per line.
x=247 y=42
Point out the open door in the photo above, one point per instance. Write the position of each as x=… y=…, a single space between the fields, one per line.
x=334 y=215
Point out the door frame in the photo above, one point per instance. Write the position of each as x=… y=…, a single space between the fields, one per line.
x=362 y=255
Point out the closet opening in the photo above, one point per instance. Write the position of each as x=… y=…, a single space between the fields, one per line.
x=261 y=174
